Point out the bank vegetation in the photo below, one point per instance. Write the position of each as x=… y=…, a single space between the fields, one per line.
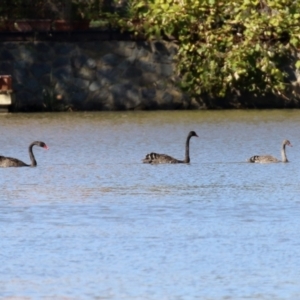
x=225 y=48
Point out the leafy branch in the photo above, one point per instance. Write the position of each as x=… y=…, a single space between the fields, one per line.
x=224 y=46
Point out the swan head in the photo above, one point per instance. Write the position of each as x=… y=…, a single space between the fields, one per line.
x=193 y=133
x=287 y=143
x=41 y=144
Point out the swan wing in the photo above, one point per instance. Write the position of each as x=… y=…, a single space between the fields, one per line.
x=156 y=158
x=11 y=162
x=263 y=159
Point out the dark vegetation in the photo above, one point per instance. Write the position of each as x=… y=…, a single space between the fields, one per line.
x=225 y=48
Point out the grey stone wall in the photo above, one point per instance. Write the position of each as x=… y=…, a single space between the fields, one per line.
x=93 y=75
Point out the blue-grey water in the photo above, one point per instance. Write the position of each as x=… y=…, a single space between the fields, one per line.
x=92 y=222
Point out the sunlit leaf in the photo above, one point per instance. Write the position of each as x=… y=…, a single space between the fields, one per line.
x=297 y=64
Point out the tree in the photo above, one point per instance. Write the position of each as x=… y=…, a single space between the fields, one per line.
x=224 y=46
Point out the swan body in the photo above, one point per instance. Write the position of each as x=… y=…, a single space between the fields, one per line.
x=156 y=158
x=6 y=162
x=270 y=158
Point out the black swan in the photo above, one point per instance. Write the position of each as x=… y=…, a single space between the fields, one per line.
x=6 y=162
x=269 y=158
x=155 y=158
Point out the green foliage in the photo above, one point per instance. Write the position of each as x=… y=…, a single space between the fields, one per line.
x=224 y=46
x=84 y=10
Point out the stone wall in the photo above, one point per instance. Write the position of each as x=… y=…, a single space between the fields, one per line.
x=92 y=75
x=91 y=71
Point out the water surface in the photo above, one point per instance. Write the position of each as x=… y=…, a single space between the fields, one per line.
x=93 y=222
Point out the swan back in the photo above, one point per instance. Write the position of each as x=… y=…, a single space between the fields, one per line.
x=6 y=162
x=263 y=159
x=156 y=158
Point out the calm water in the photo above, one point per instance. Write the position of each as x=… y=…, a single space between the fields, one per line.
x=92 y=222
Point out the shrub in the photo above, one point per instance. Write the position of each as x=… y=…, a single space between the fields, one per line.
x=227 y=46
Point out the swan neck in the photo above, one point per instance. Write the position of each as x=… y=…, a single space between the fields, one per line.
x=187 y=150
x=283 y=154
x=32 y=158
